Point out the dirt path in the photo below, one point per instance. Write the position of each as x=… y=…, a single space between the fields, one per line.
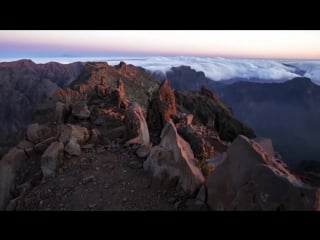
x=102 y=180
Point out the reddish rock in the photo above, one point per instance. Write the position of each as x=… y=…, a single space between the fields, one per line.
x=123 y=102
x=161 y=108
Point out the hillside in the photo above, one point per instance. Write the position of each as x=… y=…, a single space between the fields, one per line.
x=101 y=145
x=23 y=85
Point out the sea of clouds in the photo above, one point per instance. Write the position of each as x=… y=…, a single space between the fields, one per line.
x=215 y=68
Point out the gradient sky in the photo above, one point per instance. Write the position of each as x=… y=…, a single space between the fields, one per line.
x=213 y=43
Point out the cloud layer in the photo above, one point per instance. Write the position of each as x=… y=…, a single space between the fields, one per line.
x=217 y=68
x=223 y=69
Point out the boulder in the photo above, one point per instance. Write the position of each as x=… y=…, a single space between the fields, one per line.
x=72 y=147
x=80 y=110
x=10 y=165
x=247 y=178
x=42 y=146
x=50 y=159
x=137 y=126
x=37 y=133
x=68 y=131
x=173 y=159
x=73 y=137
x=26 y=146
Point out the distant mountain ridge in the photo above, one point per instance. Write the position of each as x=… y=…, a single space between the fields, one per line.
x=24 y=84
x=287 y=112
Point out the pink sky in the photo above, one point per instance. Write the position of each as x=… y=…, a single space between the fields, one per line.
x=256 y=44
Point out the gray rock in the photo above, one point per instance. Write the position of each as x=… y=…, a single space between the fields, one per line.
x=25 y=145
x=10 y=165
x=73 y=137
x=42 y=146
x=81 y=134
x=72 y=147
x=266 y=144
x=143 y=151
x=37 y=133
x=137 y=125
x=173 y=159
x=50 y=159
x=202 y=194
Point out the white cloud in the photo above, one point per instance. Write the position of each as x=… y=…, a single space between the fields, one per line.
x=219 y=68
x=214 y=68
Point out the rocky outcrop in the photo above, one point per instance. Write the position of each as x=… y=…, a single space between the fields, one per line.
x=26 y=146
x=37 y=133
x=69 y=131
x=212 y=113
x=123 y=101
x=249 y=179
x=24 y=85
x=10 y=166
x=137 y=126
x=80 y=110
x=161 y=108
x=73 y=137
x=42 y=146
x=173 y=159
x=201 y=148
x=50 y=159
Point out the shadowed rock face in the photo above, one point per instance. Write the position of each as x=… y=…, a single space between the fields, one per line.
x=10 y=166
x=250 y=179
x=23 y=85
x=161 y=108
x=211 y=112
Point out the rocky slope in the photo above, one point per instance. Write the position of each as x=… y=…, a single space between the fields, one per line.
x=23 y=85
x=285 y=112
x=101 y=145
